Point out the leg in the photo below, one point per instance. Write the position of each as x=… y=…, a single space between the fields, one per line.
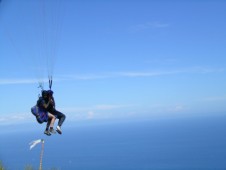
x=60 y=116
x=52 y=121
x=48 y=124
x=47 y=127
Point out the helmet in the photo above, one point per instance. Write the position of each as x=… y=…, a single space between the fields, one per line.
x=50 y=92
x=44 y=93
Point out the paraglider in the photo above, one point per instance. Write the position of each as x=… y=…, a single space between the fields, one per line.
x=41 y=34
x=41 y=113
x=45 y=110
x=52 y=110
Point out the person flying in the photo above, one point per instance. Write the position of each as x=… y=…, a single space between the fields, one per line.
x=41 y=113
x=52 y=109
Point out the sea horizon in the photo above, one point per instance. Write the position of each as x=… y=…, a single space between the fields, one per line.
x=193 y=143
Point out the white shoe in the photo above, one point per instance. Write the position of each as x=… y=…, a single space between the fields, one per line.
x=58 y=129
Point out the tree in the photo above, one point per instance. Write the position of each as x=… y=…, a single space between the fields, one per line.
x=1 y=165
x=28 y=167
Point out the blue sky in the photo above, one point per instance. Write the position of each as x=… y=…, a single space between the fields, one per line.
x=114 y=59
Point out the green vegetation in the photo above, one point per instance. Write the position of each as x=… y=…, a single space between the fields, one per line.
x=27 y=167
x=1 y=166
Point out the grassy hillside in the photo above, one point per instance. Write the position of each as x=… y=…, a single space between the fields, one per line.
x=27 y=167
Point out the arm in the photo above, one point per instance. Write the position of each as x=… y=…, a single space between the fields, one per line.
x=45 y=105
x=53 y=102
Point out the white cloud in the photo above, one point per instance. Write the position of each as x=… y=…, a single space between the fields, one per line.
x=109 y=107
x=15 y=118
x=129 y=74
x=93 y=108
x=17 y=81
x=191 y=70
x=93 y=112
x=214 y=98
x=144 y=74
x=25 y=81
x=90 y=115
x=86 y=76
x=177 y=108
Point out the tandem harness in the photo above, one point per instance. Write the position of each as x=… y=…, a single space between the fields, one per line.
x=41 y=115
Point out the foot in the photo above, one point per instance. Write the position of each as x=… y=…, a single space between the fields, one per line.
x=52 y=131
x=47 y=133
x=58 y=129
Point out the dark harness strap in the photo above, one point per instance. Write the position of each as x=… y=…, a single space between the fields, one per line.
x=50 y=82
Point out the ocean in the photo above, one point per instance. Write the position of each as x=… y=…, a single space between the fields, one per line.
x=189 y=143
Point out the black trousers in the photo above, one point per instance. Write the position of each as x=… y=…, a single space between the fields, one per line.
x=59 y=116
